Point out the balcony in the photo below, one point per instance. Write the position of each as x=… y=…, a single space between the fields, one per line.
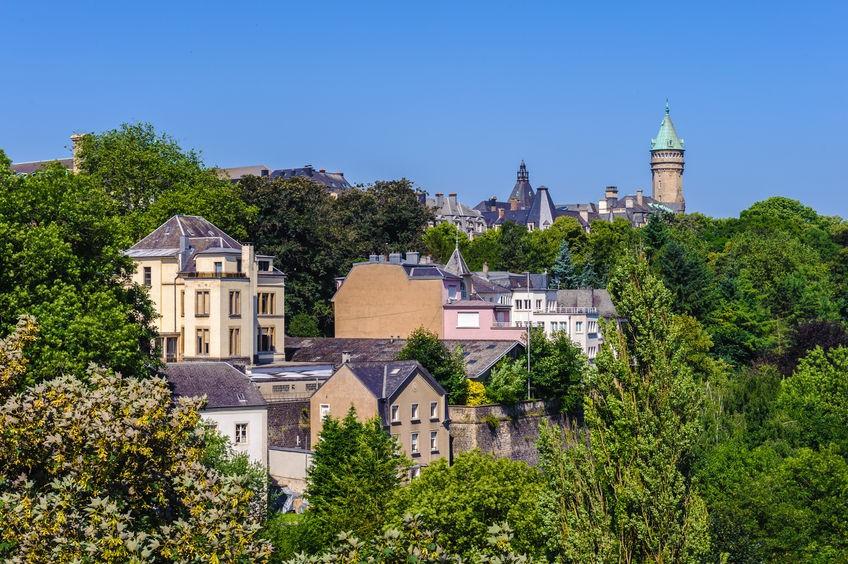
x=213 y=275
x=568 y=310
x=502 y=325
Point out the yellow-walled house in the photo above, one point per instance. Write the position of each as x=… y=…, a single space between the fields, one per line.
x=410 y=403
x=216 y=298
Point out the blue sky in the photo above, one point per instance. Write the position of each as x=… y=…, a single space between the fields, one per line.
x=452 y=94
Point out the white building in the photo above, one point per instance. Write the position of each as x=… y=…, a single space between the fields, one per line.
x=233 y=404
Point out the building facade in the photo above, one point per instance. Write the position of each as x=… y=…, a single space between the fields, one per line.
x=449 y=210
x=215 y=298
x=234 y=407
x=411 y=405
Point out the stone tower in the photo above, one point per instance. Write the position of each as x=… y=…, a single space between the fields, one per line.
x=522 y=194
x=667 y=165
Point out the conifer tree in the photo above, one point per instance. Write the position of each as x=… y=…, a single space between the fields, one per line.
x=563 y=273
x=621 y=491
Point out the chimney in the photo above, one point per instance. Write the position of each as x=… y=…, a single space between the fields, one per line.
x=385 y=377
x=373 y=258
x=628 y=202
x=395 y=258
x=602 y=206
x=76 y=146
x=501 y=213
x=322 y=170
x=611 y=192
x=640 y=197
x=513 y=204
x=584 y=215
x=493 y=203
x=264 y=173
x=184 y=252
x=452 y=200
x=485 y=269
x=440 y=199
x=412 y=257
x=345 y=357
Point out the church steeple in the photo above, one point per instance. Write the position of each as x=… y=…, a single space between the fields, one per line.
x=522 y=192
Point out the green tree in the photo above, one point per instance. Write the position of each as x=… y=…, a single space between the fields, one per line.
x=508 y=382
x=623 y=491
x=608 y=243
x=441 y=240
x=109 y=469
x=687 y=277
x=485 y=248
x=448 y=368
x=463 y=499
x=513 y=247
x=563 y=273
x=62 y=262
x=558 y=369
x=303 y=325
x=356 y=470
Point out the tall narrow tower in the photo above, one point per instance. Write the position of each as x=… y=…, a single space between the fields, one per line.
x=522 y=191
x=667 y=165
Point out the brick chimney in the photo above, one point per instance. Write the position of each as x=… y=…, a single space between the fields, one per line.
x=640 y=199
x=76 y=147
x=501 y=213
x=440 y=199
x=513 y=204
x=452 y=200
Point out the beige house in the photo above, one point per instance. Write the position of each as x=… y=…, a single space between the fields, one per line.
x=410 y=403
x=216 y=299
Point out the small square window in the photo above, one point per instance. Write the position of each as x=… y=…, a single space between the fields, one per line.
x=324 y=410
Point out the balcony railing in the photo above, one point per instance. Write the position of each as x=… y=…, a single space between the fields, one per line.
x=503 y=325
x=569 y=310
x=213 y=275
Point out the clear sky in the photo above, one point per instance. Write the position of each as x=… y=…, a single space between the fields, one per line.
x=451 y=94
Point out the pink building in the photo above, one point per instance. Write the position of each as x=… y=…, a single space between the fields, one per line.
x=478 y=319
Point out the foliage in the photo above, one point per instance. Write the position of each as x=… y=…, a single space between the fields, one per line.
x=62 y=262
x=622 y=491
x=413 y=543
x=448 y=368
x=476 y=394
x=557 y=369
x=349 y=455
x=563 y=274
x=508 y=382
x=441 y=240
x=462 y=500
x=152 y=178
x=109 y=469
x=303 y=325
x=809 y=335
x=219 y=455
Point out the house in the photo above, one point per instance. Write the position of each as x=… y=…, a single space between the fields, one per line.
x=335 y=182
x=450 y=210
x=480 y=356
x=233 y=405
x=215 y=298
x=392 y=298
x=410 y=404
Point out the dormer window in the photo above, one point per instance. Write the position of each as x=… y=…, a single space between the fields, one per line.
x=264 y=265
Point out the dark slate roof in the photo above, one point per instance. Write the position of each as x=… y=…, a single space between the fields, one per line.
x=456 y=264
x=397 y=373
x=334 y=180
x=237 y=172
x=202 y=235
x=512 y=280
x=35 y=166
x=522 y=191
x=428 y=271
x=223 y=385
x=542 y=212
x=588 y=297
x=479 y=355
x=450 y=206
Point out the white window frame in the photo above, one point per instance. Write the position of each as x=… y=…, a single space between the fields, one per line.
x=434 y=441
x=434 y=410
x=414 y=412
x=324 y=410
x=243 y=441
x=468 y=320
x=413 y=443
x=578 y=327
x=395 y=413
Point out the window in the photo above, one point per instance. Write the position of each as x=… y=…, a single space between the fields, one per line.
x=324 y=410
x=201 y=303
x=311 y=387
x=235 y=303
x=554 y=326
x=578 y=326
x=203 y=342
x=235 y=341
x=414 y=443
x=517 y=304
x=434 y=410
x=266 y=339
x=526 y=304
x=238 y=265
x=182 y=303
x=415 y=472
x=538 y=305
x=468 y=320
x=434 y=441
x=241 y=433
x=219 y=268
x=452 y=292
x=264 y=265
x=395 y=414
x=415 y=412
x=266 y=303
x=280 y=388
x=148 y=276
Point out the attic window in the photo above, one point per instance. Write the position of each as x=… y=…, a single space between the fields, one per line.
x=395 y=370
x=241 y=397
x=491 y=346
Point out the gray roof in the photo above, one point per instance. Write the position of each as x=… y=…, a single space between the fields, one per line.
x=334 y=180
x=522 y=191
x=588 y=297
x=479 y=355
x=225 y=387
x=237 y=172
x=397 y=373
x=35 y=166
x=202 y=235
x=450 y=206
x=456 y=264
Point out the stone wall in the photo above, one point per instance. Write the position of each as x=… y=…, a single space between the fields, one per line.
x=505 y=431
x=288 y=424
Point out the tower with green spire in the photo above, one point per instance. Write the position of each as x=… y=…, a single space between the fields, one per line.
x=667 y=165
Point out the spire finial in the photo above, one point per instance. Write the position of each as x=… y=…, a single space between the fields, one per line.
x=666 y=106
